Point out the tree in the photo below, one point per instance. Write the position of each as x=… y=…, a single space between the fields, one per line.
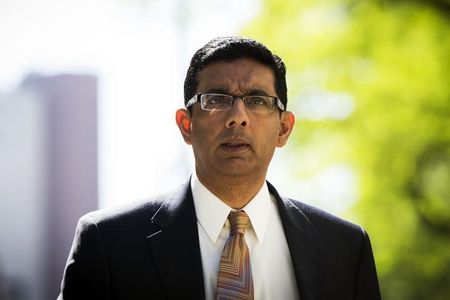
x=390 y=61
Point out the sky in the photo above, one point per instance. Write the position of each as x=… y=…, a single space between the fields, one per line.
x=140 y=50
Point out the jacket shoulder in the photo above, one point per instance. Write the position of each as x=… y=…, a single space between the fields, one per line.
x=136 y=212
x=312 y=219
x=322 y=218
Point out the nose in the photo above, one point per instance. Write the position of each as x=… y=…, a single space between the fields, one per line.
x=237 y=115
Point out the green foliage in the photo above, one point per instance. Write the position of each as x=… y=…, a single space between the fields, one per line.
x=392 y=59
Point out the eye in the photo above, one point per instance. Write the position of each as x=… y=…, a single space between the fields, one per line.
x=257 y=101
x=217 y=99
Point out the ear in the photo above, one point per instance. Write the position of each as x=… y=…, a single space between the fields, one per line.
x=183 y=119
x=286 y=125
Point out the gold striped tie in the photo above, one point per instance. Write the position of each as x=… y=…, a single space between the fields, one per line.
x=235 y=273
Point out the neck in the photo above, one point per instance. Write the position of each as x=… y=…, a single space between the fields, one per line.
x=234 y=191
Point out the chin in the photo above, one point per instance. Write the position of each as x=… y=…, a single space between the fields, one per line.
x=239 y=171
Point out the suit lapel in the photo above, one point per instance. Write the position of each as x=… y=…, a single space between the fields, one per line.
x=301 y=237
x=173 y=242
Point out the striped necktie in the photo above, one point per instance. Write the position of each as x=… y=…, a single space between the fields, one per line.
x=235 y=273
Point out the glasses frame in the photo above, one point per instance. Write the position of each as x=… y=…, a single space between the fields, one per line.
x=196 y=98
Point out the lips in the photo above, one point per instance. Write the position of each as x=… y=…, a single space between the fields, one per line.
x=234 y=147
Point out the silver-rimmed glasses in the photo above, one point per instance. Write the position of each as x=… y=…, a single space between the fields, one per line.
x=223 y=102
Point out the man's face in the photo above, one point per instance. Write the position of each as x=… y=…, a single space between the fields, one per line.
x=237 y=142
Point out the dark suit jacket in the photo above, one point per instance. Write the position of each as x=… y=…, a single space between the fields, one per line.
x=151 y=251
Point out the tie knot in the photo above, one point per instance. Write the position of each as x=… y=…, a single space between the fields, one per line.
x=238 y=221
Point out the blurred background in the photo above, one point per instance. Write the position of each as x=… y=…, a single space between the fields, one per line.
x=88 y=91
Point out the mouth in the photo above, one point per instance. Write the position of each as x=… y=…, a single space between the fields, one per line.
x=234 y=147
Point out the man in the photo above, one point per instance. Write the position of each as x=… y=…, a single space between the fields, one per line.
x=227 y=233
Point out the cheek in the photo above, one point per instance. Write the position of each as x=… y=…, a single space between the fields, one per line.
x=267 y=137
x=203 y=133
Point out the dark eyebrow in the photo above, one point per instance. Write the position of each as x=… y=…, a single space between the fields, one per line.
x=257 y=92
x=252 y=92
x=217 y=91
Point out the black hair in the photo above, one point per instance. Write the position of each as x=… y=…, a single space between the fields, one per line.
x=229 y=49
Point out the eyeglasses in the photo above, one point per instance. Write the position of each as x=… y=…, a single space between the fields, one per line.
x=223 y=102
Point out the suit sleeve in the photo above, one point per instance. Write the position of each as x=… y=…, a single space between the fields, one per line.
x=86 y=273
x=367 y=287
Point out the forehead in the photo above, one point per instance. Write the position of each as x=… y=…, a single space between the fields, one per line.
x=237 y=76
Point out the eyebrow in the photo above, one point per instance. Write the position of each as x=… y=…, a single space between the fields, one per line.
x=251 y=92
x=217 y=90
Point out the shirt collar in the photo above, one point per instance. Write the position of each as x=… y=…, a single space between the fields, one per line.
x=212 y=213
x=258 y=210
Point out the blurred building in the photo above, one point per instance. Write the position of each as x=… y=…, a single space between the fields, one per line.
x=48 y=179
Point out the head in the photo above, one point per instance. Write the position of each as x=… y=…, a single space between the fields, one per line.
x=235 y=144
x=232 y=48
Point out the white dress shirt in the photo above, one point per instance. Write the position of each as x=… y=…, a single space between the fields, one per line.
x=270 y=259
